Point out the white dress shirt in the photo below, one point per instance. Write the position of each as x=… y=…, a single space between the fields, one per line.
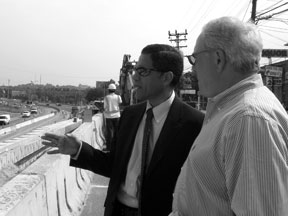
x=129 y=188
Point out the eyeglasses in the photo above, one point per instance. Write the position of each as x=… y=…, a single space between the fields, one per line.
x=192 y=57
x=143 y=72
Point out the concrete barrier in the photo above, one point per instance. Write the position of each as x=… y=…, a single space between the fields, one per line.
x=17 y=126
x=99 y=127
x=14 y=150
x=49 y=186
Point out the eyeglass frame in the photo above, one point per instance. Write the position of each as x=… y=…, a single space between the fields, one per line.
x=146 y=71
x=193 y=55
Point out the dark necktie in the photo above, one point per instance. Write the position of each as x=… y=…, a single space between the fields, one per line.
x=145 y=150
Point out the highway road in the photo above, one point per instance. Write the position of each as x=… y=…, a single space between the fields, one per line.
x=17 y=118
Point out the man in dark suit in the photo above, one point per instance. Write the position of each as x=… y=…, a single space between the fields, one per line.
x=175 y=126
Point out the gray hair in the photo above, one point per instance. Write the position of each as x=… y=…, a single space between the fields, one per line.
x=240 y=41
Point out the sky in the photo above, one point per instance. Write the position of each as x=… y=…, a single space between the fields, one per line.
x=72 y=42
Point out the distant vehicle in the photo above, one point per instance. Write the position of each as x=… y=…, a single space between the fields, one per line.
x=34 y=111
x=26 y=114
x=4 y=119
x=58 y=104
x=47 y=104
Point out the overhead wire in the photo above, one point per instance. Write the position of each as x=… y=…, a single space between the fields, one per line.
x=261 y=30
x=204 y=15
x=246 y=10
x=233 y=5
x=280 y=12
x=275 y=28
x=280 y=20
x=207 y=6
x=185 y=15
x=272 y=9
x=270 y=6
x=194 y=23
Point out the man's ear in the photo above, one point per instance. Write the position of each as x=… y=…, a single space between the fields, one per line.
x=220 y=60
x=167 y=77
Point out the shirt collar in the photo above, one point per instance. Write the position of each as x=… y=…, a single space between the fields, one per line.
x=254 y=80
x=161 y=110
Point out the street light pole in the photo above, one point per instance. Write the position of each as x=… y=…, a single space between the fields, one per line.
x=8 y=88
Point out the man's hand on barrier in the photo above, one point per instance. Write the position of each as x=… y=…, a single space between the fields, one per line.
x=64 y=144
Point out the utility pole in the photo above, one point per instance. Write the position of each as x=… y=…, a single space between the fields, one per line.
x=8 y=88
x=177 y=39
x=253 y=13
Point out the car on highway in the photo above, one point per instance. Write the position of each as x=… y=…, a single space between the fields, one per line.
x=4 y=119
x=26 y=114
x=34 y=111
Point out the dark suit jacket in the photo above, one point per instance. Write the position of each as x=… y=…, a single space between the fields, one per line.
x=181 y=127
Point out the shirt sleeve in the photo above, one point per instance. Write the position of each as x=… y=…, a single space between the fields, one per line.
x=105 y=103
x=120 y=99
x=256 y=167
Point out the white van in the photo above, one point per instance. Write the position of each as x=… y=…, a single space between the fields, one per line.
x=4 y=119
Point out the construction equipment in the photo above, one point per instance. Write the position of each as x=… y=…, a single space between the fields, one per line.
x=126 y=83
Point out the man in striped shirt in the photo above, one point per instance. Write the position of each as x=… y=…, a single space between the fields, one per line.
x=238 y=163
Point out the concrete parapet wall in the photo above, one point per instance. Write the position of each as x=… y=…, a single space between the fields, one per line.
x=14 y=150
x=98 y=122
x=49 y=186
x=17 y=126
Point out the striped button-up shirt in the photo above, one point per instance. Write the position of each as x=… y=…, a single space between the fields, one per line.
x=238 y=163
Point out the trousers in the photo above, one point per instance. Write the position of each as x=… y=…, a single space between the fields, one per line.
x=111 y=127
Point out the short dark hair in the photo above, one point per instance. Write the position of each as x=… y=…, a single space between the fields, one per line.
x=166 y=58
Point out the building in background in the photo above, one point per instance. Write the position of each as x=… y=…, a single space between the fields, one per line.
x=275 y=77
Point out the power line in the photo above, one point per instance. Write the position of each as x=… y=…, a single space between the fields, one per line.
x=272 y=35
x=269 y=16
x=185 y=15
x=204 y=15
x=285 y=21
x=275 y=28
x=271 y=9
x=280 y=12
x=235 y=4
x=246 y=10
